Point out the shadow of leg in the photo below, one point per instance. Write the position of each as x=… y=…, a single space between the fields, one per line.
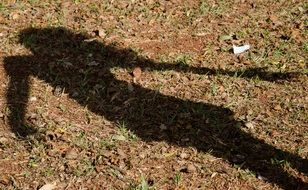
x=17 y=98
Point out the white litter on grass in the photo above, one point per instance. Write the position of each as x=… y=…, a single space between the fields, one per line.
x=240 y=49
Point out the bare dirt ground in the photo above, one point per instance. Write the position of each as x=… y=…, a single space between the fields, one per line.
x=144 y=94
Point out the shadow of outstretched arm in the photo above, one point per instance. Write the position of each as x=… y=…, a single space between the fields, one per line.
x=60 y=58
x=127 y=58
x=132 y=60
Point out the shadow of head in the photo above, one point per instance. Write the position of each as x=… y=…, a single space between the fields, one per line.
x=47 y=40
x=60 y=42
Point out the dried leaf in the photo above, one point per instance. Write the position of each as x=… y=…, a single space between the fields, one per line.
x=71 y=154
x=249 y=125
x=225 y=37
x=14 y=16
x=101 y=33
x=277 y=107
x=48 y=186
x=119 y=137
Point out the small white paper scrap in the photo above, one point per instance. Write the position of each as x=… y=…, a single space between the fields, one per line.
x=240 y=49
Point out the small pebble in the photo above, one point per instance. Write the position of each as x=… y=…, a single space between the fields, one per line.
x=137 y=73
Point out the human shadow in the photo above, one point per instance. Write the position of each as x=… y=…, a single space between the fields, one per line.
x=61 y=58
